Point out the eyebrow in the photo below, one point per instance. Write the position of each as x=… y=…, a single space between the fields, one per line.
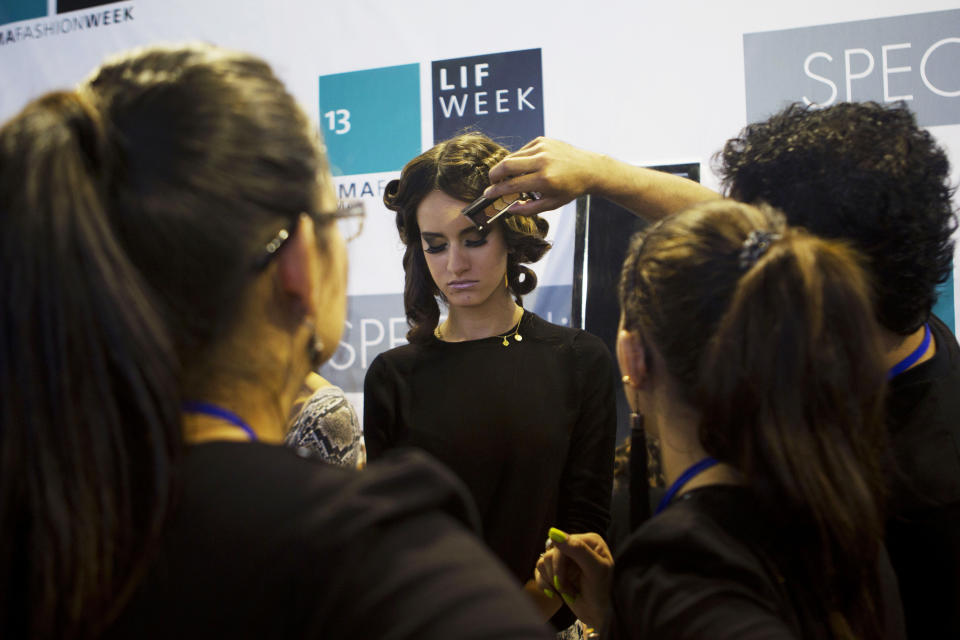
x=434 y=235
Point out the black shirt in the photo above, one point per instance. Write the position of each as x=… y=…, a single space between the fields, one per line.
x=712 y=567
x=923 y=528
x=266 y=544
x=528 y=427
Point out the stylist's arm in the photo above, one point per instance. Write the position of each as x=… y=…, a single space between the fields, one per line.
x=560 y=172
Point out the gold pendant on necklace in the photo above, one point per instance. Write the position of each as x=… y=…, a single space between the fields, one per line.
x=506 y=337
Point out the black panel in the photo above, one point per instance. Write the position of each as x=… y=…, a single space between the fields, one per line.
x=72 y=5
x=605 y=229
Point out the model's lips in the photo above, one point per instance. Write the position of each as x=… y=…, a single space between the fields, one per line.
x=461 y=284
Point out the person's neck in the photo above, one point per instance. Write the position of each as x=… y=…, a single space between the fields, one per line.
x=680 y=449
x=249 y=401
x=899 y=347
x=473 y=323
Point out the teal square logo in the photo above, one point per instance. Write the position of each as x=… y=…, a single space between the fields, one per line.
x=16 y=10
x=371 y=119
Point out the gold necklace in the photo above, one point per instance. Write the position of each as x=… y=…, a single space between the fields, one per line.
x=514 y=332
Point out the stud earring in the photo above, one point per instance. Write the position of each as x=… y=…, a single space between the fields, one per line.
x=628 y=381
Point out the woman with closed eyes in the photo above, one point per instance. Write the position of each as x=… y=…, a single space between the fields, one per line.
x=521 y=409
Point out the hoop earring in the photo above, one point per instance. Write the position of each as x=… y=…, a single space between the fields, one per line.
x=506 y=281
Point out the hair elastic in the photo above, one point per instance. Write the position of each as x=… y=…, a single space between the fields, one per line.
x=757 y=243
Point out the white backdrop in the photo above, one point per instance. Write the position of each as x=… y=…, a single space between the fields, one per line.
x=649 y=83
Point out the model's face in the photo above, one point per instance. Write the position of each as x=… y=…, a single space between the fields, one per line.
x=467 y=266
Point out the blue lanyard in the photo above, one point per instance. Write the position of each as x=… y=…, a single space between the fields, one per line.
x=209 y=409
x=911 y=359
x=684 y=478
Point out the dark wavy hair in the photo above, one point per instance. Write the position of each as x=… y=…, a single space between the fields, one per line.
x=131 y=214
x=460 y=168
x=862 y=172
x=783 y=360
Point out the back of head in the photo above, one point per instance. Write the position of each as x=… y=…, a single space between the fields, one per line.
x=768 y=332
x=213 y=156
x=864 y=173
x=133 y=211
x=459 y=167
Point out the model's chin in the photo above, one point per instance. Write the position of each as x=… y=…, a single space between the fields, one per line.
x=463 y=297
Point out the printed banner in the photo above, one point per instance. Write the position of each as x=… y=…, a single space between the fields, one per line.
x=914 y=58
x=500 y=94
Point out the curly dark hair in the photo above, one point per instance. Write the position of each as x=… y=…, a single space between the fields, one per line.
x=459 y=167
x=863 y=172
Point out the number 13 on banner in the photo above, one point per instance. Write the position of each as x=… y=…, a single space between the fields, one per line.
x=338 y=121
x=370 y=118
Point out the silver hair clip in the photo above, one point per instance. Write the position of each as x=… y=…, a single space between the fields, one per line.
x=756 y=244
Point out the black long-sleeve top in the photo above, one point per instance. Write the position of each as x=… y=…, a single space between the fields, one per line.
x=714 y=566
x=923 y=521
x=528 y=427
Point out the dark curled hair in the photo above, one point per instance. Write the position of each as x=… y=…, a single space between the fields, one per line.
x=861 y=172
x=783 y=361
x=131 y=213
x=459 y=167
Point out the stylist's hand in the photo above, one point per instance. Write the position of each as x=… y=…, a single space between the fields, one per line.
x=558 y=171
x=580 y=568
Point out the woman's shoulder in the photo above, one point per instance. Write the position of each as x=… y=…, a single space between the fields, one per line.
x=401 y=353
x=397 y=361
x=704 y=546
x=265 y=542
x=271 y=483
x=690 y=521
x=546 y=330
x=589 y=355
x=327 y=425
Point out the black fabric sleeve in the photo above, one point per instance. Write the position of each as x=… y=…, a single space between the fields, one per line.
x=379 y=408
x=587 y=480
x=406 y=566
x=426 y=578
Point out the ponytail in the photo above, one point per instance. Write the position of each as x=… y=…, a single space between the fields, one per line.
x=89 y=424
x=791 y=395
x=771 y=335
